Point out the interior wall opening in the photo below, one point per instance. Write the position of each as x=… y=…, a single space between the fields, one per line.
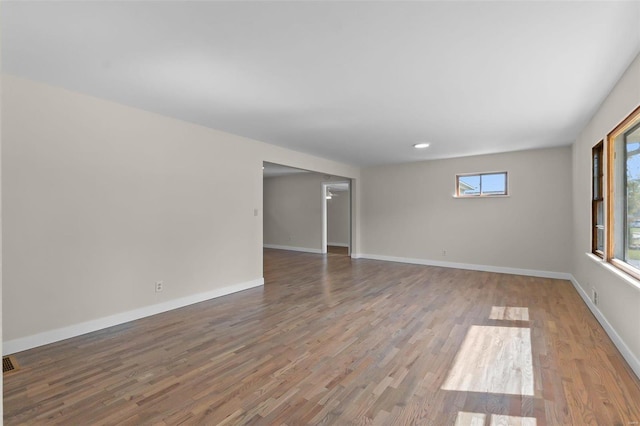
x=306 y=211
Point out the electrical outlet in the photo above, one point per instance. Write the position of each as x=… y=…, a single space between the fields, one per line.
x=594 y=296
x=159 y=286
x=444 y=252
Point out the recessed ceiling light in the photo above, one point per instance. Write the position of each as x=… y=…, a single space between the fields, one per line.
x=421 y=145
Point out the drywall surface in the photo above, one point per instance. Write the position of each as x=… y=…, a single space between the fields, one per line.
x=1 y=273
x=338 y=219
x=619 y=296
x=100 y=201
x=410 y=212
x=293 y=211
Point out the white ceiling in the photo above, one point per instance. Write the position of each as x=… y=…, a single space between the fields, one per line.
x=357 y=82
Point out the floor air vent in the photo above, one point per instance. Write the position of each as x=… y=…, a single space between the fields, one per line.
x=9 y=364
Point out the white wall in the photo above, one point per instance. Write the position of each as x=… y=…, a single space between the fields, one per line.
x=409 y=212
x=338 y=219
x=1 y=273
x=293 y=212
x=619 y=296
x=100 y=200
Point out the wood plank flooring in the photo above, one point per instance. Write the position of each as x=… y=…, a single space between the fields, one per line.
x=495 y=360
x=509 y=313
x=344 y=251
x=330 y=340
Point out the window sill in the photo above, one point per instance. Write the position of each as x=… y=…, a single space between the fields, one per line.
x=619 y=273
x=481 y=196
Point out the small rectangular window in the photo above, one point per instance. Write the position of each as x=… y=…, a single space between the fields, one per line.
x=481 y=184
x=597 y=201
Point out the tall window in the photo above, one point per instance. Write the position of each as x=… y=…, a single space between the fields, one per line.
x=597 y=201
x=623 y=223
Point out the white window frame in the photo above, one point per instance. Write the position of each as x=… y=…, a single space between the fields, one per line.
x=459 y=194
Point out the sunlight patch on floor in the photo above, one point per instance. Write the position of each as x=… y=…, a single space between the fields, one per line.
x=479 y=419
x=509 y=313
x=498 y=420
x=495 y=360
x=470 y=419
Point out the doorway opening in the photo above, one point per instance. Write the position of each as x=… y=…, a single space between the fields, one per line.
x=336 y=217
x=297 y=216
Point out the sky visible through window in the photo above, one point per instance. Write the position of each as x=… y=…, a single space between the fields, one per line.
x=494 y=183
x=632 y=255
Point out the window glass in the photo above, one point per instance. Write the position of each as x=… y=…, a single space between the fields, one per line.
x=481 y=184
x=622 y=228
x=494 y=183
x=632 y=216
x=599 y=243
x=469 y=185
x=597 y=200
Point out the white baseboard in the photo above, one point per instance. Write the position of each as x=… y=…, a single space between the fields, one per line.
x=627 y=354
x=46 y=337
x=291 y=248
x=338 y=244
x=469 y=266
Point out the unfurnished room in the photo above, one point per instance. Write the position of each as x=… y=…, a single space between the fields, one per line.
x=320 y=212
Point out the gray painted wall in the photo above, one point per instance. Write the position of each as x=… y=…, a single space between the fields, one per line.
x=409 y=211
x=102 y=200
x=618 y=294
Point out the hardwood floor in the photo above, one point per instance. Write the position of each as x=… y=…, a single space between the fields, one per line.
x=344 y=251
x=509 y=313
x=331 y=340
x=495 y=360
